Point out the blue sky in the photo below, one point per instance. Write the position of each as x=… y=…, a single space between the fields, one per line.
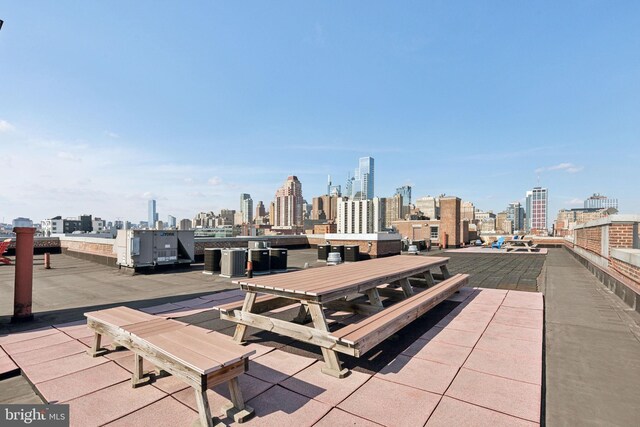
x=105 y=104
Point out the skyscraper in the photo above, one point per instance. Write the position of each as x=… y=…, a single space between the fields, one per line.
x=246 y=208
x=515 y=214
x=361 y=186
x=287 y=205
x=153 y=215
x=405 y=192
x=539 y=210
x=171 y=221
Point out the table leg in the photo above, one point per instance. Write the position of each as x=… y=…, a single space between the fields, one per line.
x=332 y=364
x=241 y=330
x=429 y=278
x=374 y=297
x=406 y=287
x=445 y=271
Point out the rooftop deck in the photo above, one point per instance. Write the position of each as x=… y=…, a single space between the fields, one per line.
x=478 y=358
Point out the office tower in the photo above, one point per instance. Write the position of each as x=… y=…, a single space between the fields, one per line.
x=539 y=210
x=599 y=201
x=171 y=221
x=185 y=224
x=405 y=192
x=361 y=185
x=153 y=215
x=246 y=208
x=287 y=205
x=515 y=214
x=527 y=208
x=324 y=208
x=429 y=206
x=260 y=211
x=390 y=209
x=468 y=211
x=358 y=216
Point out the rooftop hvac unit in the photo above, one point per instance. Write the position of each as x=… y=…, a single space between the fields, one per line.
x=232 y=262
x=259 y=261
x=339 y=249
x=278 y=260
x=421 y=244
x=150 y=248
x=212 y=260
x=351 y=253
x=323 y=251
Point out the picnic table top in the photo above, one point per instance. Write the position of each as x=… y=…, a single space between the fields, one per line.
x=329 y=282
x=520 y=241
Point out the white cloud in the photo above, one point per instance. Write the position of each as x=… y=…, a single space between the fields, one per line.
x=567 y=167
x=575 y=202
x=215 y=181
x=111 y=134
x=5 y=126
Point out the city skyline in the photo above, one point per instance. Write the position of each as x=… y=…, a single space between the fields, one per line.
x=451 y=105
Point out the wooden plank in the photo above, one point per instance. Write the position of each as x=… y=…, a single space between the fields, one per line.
x=344 y=275
x=374 y=297
x=210 y=346
x=355 y=307
x=151 y=327
x=386 y=324
x=198 y=362
x=262 y=304
x=349 y=329
x=226 y=373
x=247 y=306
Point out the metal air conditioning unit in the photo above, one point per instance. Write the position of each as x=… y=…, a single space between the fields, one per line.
x=212 y=260
x=278 y=260
x=233 y=262
x=259 y=261
x=152 y=248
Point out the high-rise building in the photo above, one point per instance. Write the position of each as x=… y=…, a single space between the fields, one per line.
x=598 y=201
x=361 y=185
x=324 y=208
x=153 y=214
x=429 y=206
x=287 y=205
x=539 y=210
x=468 y=211
x=246 y=208
x=260 y=210
x=358 y=216
x=405 y=192
x=515 y=214
x=185 y=224
x=171 y=221
x=390 y=209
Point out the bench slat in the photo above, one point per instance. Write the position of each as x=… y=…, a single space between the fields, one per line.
x=388 y=311
x=210 y=346
x=196 y=361
x=387 y=322
x=120 y=316
x=152 y=327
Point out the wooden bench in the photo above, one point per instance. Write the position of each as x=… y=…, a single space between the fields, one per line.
x=362 y=336
x=197 y=356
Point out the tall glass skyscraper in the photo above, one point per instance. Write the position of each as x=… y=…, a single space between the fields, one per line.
x=153 y=215
x=361 y=186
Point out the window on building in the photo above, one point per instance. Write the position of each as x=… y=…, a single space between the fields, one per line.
x=434 y=233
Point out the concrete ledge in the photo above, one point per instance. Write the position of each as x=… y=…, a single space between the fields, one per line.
x=630 y=256
x=624 y=288
x=609 y=220
x=363 y=236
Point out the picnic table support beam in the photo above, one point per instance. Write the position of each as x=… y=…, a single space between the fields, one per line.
x=374 y=297
x=303 y=315
x=406 y=287
x=332 y=363
x=241 y=330
x=445 y=271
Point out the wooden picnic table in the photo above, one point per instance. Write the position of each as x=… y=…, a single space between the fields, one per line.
x=514 y=245
x=317 y=289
